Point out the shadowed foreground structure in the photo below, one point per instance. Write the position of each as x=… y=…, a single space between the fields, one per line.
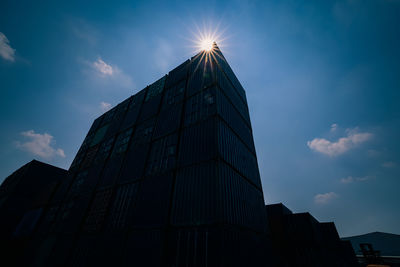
x=169 y=177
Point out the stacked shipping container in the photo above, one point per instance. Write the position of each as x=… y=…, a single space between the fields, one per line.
x=169 y=176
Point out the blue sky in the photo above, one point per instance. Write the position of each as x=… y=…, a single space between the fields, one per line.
x=322 y=81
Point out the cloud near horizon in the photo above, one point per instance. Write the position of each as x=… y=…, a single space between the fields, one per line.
x=6 y=51
x=325 y=198
x=340 y=146
x=40 y=145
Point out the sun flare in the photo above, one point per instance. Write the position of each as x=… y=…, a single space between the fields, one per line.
x=206 y=38
x=206 y=44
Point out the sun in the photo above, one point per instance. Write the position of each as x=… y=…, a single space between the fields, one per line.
x=207 y=38
x=206 y=44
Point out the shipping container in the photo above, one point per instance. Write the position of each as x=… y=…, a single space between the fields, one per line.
x=234 y=152
x=195 y=246
x=122 y=142
x=104 y=151
x=76 y=163
x=178 y=74
x=86 y=180
x=153 y=201
x=111 y=171
x=213 y=193
x=328 y=235
x=71 y=214
x=174 y=95
x=144 y=132
x=121 y=210
x=133 y=110
x=218 y=246
x=223 y=64
x=95 y=125
x=42 y=251
x=162 y=155
x=79 y=183
x=195 y=199
x=200 y=106
x=99 y=135
x=168 y=121
x=245 y=248
x=201 y=75
x=28 y=223
x=234 y=120
x=97 y=211
x=212 y=101
x=144 y=248
x=113 y=166
x=198 y=143
x=46 y=223
x=120 y=111
x=241 y=202
x=108 y=116
x=61 y=251
x=83 y=251
x=155 y=89
x=152 y=100
x=134 y=164
x=90 y=156
x=108 y=250
x=149 y=108
x=231 y=94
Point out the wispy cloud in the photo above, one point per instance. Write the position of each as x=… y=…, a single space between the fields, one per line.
x=325 y=198
x=100 y=70
x=105 y=106
x=351 y=179
x=342 y=145
x=103 y=68
x=40 y=145
x=389 y=164
x=6 y=51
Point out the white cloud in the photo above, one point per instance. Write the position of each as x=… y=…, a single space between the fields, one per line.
x=6 y=51
x=105 y=106
x=334 y=127
x=351 y=179
x=325 y=198
x=40 y=145
x=102 y=67
x=101 y=71
x=340 y=146
x=389 y=164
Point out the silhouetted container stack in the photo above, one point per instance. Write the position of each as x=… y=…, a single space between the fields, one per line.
x=168 y=177
x=300 y=240
x=24 y=198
